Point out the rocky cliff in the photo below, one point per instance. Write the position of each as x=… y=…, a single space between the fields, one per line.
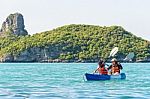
x=34 y=54
x=14 y=24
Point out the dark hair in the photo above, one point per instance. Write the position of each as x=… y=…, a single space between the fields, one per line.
x=116 y=62
x=101 y=63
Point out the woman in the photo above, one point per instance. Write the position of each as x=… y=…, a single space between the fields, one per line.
x=101 y=68
x=115 y=67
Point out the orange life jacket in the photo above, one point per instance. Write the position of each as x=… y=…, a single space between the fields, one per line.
x=102 y=71
x=115 y=69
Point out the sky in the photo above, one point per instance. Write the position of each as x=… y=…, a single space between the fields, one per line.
x=43 y=15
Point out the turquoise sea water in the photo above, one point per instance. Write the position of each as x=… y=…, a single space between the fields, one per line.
x=65 y=81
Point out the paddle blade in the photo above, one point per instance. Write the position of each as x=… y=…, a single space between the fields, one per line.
x=130 y=56
x=113 y=52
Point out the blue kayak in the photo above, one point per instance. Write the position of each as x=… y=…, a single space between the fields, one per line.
x=104 y=77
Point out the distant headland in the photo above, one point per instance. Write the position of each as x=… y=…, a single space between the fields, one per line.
x=69 y=43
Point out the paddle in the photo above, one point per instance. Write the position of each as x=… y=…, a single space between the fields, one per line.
x=113 y=52
x=130 y=56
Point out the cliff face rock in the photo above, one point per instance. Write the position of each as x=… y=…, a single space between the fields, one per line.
x=14 y=24
x=34 y=54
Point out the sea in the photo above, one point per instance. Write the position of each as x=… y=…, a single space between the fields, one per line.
x=67 y=81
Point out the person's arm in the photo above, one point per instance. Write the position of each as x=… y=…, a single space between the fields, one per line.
x=96 y=70
x=109 y=67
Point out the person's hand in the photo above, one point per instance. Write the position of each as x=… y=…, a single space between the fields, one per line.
x=95 y=72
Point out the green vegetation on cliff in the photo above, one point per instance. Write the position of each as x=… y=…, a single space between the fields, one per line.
x=79 y=42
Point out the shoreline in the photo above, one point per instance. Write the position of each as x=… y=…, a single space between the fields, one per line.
x=70 y=62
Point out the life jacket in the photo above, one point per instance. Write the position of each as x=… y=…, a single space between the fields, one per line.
x=115 y=69
x=102 y=71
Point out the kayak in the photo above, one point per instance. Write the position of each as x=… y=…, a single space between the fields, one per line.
x=104 y=77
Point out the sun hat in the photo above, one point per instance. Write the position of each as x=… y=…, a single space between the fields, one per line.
x=114 y=60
